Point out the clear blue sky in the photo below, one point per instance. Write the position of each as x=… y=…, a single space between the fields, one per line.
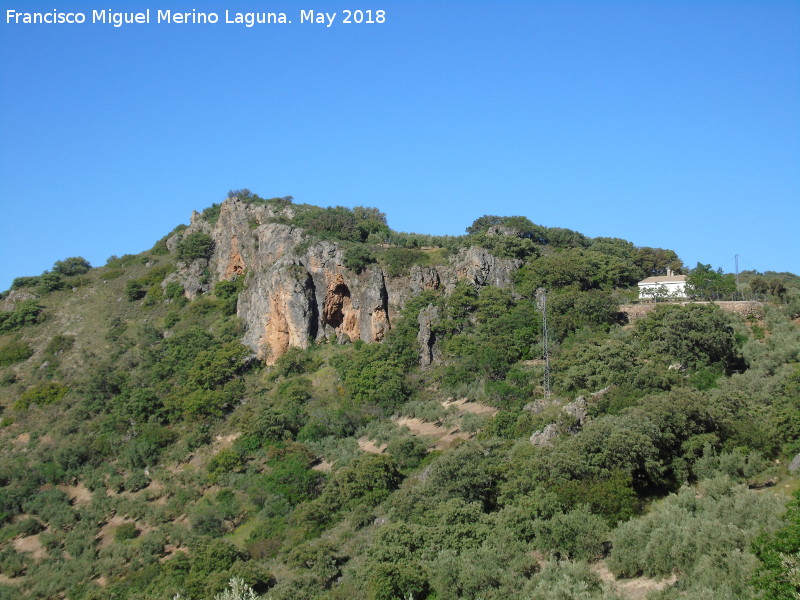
x=671 y=124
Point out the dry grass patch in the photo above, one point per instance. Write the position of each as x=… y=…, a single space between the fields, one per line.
x=171 y=550
x=324 y=466
x=368 y=445
x=202 y=455
x=635 y=588
x=78 y=495
x=465 y=406
x=6 y=580
x=30 y=545
x=106 y=535
x=444 y=437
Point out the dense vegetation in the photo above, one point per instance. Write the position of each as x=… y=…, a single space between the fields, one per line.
x=148 y=453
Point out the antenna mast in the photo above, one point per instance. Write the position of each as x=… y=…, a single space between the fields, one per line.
x=736 y=261
x=541 y=304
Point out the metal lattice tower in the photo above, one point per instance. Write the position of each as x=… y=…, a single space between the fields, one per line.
x=541 y=304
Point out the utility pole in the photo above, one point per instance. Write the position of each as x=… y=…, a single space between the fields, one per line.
x=541 y=304
x=736 y=262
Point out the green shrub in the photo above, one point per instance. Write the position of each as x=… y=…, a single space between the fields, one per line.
x=213 y=556
x=207 y=519
x=23 y=282
x=172 y=319
x=212 y=368
x=226 y=289
x=577 y=535
x=612 y=497
x=49 y=282
x=398 y=261
x=357 y=257
x=227 y=293
x=12 y=563
x=407 y=451
x=194 y=246
x=684 y=529
x=14 y=352
x=568 y=580
x=160 y=247
x=211 y=214
x=58 y=345
x=341 y=223
x=7 y=377
x=736 y=465
x=135 y=290
x=226 y=460
x=388 y=581
x=112 y=274
x=117 y=262
x=174 y=290
x=41 y=394
x=367 y=481
x=272 y=425
x=295 y=361
x=695 y=335
x=126 y=531
x=505 y=246
x=292 y=477
x=146 y=447
x=778 y=553
x=372 y=376
x=137 y=481
x=253 y=575
x=75 y=265
x=27 y=312
x=53 y=507
x=30 y=526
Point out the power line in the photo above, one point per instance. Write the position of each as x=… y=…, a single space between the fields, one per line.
x=541 y=304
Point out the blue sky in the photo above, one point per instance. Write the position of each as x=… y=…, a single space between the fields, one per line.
x=671 y=124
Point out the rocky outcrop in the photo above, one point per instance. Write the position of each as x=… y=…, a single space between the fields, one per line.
x=292 y=298
x=299 y=299
x=15 y=296
x=296 y=292
x=578 y=409
x=429 y=352
x=479 y=267
x=538 y=406
x=235 y=266
x=545 y=437
x=794 y=466
x=289 y=317
x=193 y=276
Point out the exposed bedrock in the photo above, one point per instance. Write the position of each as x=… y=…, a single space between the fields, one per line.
x=297 y=292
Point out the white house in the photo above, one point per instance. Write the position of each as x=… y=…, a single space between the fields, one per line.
x=663 y=286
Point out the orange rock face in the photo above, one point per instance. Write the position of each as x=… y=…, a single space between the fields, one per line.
x=276 y=332
x=236 y=264
x=338 y=311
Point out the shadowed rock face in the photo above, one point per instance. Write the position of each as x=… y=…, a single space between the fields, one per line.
x=337 y=303
x=292 y=298
x=429 y=352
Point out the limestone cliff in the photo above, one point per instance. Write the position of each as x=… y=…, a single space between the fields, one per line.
x=297 y=291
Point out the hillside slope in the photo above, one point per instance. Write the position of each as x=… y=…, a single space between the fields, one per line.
x=305 y=399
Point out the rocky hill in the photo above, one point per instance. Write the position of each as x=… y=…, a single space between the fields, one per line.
x=299 y=402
